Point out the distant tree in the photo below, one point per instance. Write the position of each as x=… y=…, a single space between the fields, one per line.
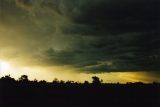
x=139 y=83
x=96 y=80
x=129 y=83
x=62 y=82
x=7 y=78
x=35 y=81
x=23 y=78
x=86 y=82
x=118 y=83
x=55 y=81
x=43 y=82
x=70 y=82
x=78 y=82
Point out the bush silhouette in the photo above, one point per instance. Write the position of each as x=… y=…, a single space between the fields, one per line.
x=42 y=82
x=23 y=78
x=7 y=79
x=86 y=82
x=55 y=81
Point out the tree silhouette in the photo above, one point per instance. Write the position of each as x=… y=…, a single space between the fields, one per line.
x=42 y=82
x=61 y=82
x=70 y=82
x=55 y=81
x=86 y=82
x=35 y=81
x=23 y=78
x=96 y=80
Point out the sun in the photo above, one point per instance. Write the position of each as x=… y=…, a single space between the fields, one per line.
x=4 y=66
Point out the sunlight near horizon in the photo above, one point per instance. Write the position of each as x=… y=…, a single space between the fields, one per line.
x=4 y=66
x=8 y=68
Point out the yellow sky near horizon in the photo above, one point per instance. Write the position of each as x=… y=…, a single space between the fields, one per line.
x=48 y=73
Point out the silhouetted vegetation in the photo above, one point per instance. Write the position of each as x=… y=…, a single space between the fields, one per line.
x=96 y=80
x=23 y=78
x=58 y=93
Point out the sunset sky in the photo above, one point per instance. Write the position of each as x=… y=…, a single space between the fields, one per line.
x=116 y=40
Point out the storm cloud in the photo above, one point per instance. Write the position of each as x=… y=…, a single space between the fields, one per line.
x=89 y=35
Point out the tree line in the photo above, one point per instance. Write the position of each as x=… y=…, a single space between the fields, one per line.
x=24 y=79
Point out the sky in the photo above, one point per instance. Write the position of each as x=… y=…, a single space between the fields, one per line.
x=117 y=40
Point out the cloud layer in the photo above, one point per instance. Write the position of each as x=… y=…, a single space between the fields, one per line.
x=89 y=35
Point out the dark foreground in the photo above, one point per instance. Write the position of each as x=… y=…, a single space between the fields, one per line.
x=79 y=95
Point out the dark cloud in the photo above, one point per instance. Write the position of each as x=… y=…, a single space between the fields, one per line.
x=118 y=16
x=91 y=35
